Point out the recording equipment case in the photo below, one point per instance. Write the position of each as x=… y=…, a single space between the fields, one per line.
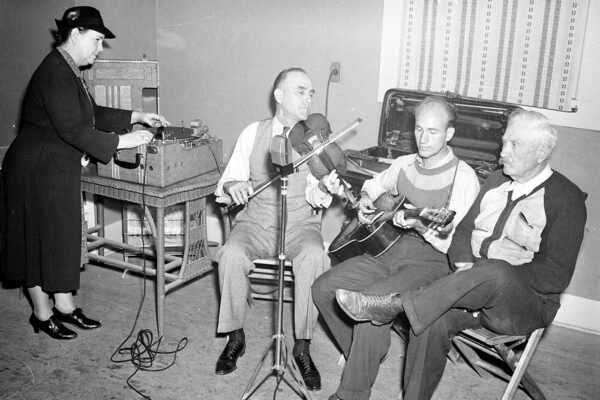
x=173 y=156
x=477 y=140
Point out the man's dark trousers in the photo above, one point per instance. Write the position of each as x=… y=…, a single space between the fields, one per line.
x=409 y=264
x=506 y=305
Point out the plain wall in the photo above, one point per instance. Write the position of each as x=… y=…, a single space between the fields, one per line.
x=218 y=60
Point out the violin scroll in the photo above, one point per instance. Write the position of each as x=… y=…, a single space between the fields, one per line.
x=306 y=135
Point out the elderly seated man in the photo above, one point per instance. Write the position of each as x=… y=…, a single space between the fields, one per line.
x=516 y=248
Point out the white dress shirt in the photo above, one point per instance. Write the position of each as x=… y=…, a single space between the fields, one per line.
x=238 y=168
x=520 y=189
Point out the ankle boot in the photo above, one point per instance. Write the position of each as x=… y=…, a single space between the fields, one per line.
x=379 y=309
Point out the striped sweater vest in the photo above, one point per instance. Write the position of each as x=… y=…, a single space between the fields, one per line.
x=427 y=187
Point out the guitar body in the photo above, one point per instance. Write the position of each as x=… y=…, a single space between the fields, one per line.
x=356 y=239
x=375 y=239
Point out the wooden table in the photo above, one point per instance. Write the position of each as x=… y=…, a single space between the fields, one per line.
x=170 y=270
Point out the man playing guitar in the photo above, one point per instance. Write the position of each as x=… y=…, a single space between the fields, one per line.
x=434 y=178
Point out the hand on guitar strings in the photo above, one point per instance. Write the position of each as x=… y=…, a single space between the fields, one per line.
x=239 y=191
x=365 y=208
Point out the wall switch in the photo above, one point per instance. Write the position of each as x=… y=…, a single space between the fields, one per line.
x=335 y=73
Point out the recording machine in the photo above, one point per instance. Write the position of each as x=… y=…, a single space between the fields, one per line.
x=174 y=155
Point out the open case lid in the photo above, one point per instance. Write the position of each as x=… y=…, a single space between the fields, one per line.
x=479 y=126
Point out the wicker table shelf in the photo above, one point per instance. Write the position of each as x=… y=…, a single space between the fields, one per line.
x=170 y=270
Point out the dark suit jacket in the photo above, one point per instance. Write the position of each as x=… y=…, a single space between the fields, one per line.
x=42 y=172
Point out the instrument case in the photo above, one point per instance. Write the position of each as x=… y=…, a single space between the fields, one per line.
x=172 y=157
x=477 y=140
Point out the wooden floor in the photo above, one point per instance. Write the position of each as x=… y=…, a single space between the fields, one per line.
x=566 y=365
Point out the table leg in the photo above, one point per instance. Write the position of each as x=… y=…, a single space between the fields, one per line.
x=99 y=201
x=159 y=245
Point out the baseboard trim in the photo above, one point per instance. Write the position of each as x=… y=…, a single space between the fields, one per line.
x=579 y=313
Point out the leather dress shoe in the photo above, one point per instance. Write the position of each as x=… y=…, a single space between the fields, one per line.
x=379 y=309
x=77 y=318
x=233 y=350
x=53 y=327
x=308 y=370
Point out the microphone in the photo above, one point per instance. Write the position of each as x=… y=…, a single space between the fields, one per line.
x=281 y=155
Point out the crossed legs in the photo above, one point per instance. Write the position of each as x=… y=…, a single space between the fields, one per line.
x=410 y=263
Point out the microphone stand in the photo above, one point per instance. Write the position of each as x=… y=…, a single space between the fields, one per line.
x=278 y=339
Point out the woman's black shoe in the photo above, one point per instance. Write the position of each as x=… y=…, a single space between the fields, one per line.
x=77 y=318
x=53 y=327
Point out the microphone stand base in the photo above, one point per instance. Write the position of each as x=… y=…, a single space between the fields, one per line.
x=278 y=370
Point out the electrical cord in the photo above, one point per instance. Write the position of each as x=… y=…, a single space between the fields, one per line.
x=143 y=352
x=331 y=73
x=212 y=150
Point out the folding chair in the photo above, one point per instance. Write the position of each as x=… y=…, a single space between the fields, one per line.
x=473 y=343
x=503 y=347
x=264 y=279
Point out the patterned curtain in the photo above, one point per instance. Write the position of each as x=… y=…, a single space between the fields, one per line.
x=515 y=51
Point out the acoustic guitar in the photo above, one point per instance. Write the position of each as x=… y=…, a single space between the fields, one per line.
x=356 y=238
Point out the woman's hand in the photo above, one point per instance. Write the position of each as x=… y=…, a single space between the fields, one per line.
x=134 y=139
x=149 y=119
x=85 y=160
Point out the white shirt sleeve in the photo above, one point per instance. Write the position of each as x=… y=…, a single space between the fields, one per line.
x=466 y=189
x=238 y=167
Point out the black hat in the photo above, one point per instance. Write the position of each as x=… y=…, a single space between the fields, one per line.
x=84 y=17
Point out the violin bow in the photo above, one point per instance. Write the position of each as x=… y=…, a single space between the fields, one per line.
x=332 y=138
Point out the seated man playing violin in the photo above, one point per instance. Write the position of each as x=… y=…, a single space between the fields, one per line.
x=256 y=230
x=434 y=178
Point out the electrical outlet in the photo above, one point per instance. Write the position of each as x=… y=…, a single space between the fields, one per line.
x=335 y=73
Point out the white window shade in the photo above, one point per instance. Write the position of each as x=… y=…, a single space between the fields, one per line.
x=521 y=52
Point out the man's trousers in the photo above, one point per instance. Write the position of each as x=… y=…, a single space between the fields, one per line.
x=409 y=264
x=489 y=295
x=247 y=242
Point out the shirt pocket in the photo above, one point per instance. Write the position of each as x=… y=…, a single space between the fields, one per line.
x=521 y=233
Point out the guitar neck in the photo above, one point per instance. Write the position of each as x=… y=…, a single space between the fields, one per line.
x=412 y=212
x=433 y=217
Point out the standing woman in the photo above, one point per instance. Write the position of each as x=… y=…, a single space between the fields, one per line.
x=41 y=232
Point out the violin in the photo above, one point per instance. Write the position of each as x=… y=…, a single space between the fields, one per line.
x=306 y=157
x=309 y=134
